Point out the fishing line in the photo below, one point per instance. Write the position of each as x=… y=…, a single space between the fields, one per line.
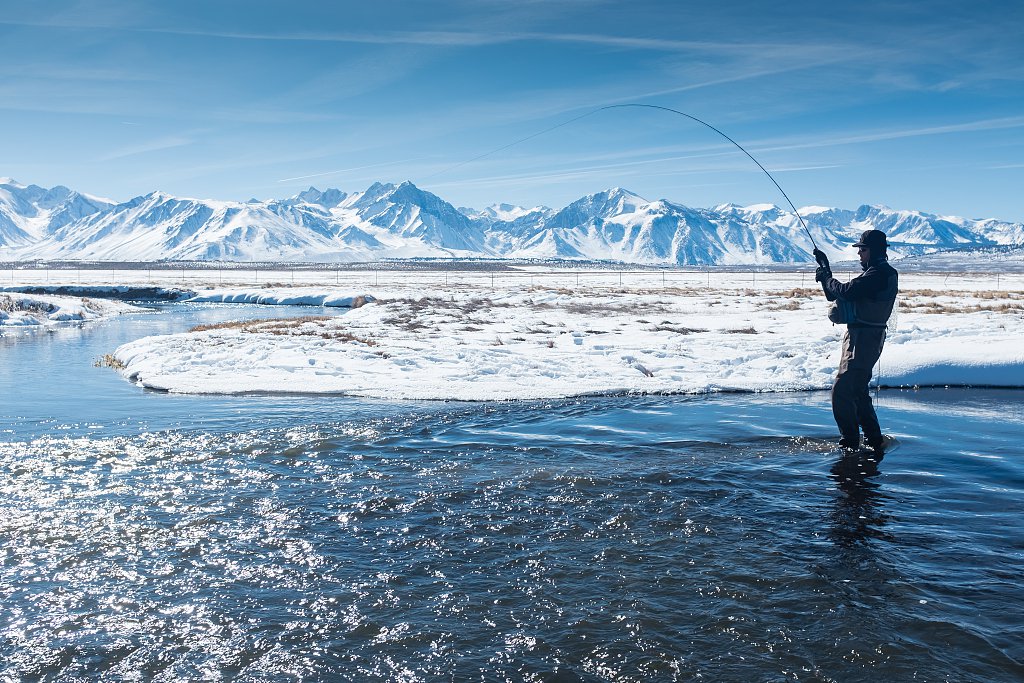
x=645 y=106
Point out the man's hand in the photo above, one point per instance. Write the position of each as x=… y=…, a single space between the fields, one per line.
x=822 y=273
x=820 y=257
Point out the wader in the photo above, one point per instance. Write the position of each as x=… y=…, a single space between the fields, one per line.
x=851 y=401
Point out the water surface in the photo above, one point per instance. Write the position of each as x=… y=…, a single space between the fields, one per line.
x=148 y=536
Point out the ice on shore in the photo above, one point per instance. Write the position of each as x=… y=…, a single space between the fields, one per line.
x=34 y=310
x=466 y=344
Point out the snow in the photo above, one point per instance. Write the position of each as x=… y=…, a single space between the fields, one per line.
x=473 y=342
x=293 y=297
x=534 y=332
x=508 y=212
x=41 y=310
x=955 y=360
x=390 y=221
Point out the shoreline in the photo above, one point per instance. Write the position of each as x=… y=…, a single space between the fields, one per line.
x=460 y=338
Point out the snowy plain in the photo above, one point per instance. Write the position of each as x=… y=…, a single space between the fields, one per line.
x=537 y=333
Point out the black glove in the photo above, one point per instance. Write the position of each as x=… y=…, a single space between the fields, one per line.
x=820 y=257
x=822 y=273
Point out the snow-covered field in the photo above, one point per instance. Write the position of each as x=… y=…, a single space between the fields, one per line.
x=456 y=336
x=493 y=274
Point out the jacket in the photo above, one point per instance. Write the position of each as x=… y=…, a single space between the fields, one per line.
x=869 y=298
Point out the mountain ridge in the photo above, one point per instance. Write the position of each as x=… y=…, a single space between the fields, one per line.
x=404 y=221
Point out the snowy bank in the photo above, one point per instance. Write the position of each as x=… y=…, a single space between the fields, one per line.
x=28 y=310
x=302 y=296
x=122 y=292
x=479 y=344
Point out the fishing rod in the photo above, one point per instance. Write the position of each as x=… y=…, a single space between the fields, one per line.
x=646 y=106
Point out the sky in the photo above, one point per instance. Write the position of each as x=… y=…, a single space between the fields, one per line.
x=913 y=105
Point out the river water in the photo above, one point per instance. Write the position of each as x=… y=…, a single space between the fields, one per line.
x=148 y=536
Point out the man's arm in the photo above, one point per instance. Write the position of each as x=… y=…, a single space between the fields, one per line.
x=858 y=288
x=824 y=272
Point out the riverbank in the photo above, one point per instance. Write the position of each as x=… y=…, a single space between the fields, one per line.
x=476 y=343
x=46 y=310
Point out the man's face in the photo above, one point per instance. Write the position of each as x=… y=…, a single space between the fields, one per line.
x=865 y=255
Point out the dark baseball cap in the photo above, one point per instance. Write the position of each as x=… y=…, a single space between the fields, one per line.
x=872 y=239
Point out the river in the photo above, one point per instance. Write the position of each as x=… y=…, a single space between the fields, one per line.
x=149 y=536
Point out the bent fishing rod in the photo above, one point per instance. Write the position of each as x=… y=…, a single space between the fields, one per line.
x=648 y=106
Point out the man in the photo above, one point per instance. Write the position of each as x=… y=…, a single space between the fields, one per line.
x=864 y=304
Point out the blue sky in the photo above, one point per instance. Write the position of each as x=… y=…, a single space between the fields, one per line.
x=916 y=105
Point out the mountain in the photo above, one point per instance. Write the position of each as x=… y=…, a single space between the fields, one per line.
x=422 y=221
x=404 y=221
x=158 y=226
x=28 y=213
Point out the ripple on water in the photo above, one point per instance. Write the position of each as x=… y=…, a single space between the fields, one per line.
x=425 y=546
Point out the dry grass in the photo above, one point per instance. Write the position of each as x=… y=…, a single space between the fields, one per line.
x=108 y=360
x=937 y=307
x=304 y=326
x=409 y=314
x=408 y=311
x=961 y=294
x=797 y=293
x=600 y=308
x=585 y=290
x=435 y=304
x=406 y=323
x=271 y=325
x=668 y=326
x=937 y=302
x=11 y=305
x=776 y=305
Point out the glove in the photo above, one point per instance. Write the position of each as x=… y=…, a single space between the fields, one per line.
x=820 y=257
x=822 y=273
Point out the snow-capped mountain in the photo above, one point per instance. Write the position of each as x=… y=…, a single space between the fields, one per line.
x=29 y=213
x=423 y=221
x=404 y=221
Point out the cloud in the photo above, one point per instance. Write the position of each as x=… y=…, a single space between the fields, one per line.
x=816 y=167
x=348 y=170
x=473 y=38
x=147 y=147
x=1002 y=123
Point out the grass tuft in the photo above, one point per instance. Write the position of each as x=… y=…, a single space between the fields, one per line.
x=9 y=304
x=304 y=326
x=666 y=326
x=109 y=360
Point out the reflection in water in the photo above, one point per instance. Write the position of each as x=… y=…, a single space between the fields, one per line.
x=858 y=515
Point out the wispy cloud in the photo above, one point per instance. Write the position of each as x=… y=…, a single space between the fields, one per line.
x=467 y=38
x=147 y=147
x=898 y=134
x=349 y=170
x=582 y=170
x=815 y=167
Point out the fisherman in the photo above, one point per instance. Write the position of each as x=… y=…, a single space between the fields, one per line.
x=864 y=305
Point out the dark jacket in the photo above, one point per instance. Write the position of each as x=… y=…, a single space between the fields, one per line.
x=872 y=293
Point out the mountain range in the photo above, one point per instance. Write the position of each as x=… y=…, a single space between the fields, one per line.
x=388 y=221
